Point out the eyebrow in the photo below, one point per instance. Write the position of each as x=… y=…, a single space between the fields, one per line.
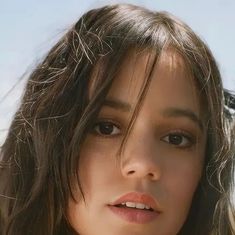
x=179 y=112
x=118 y=104
x=169 y=112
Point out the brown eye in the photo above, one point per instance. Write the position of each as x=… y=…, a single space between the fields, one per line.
x=178 y=139
x=106 y=128
x=175 y=139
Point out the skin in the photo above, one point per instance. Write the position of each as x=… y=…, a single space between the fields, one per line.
x=151 y=162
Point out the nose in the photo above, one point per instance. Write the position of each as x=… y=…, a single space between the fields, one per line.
x=140 y=158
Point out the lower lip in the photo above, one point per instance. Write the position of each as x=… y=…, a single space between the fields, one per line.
x=134 y=215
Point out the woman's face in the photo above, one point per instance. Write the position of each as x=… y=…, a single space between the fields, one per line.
x=163 y=157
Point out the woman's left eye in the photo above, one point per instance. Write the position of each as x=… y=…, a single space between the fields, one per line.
x=178 y=139
x=106 y=128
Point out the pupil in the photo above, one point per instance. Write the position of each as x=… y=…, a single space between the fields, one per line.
x=106 y=128
x=175 y=139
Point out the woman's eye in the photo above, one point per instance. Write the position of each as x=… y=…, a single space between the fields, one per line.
x=178 y=139
x=106 y=128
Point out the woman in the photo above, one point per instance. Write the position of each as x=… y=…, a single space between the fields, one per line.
x=121 y=130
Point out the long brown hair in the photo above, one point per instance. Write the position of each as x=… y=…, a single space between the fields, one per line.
x=39 y=159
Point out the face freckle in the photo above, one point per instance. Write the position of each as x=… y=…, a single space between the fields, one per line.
x=165 y=146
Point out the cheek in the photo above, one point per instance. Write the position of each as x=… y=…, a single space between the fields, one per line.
x=183 y=172
x=96 y=173
x=184 y=182
x=181 y=182
x=97 y=168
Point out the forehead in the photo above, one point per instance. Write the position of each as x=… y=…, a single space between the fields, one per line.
x=168 y=70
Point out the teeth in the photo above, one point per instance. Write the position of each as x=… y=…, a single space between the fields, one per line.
x=135 y=205
x=130 y=204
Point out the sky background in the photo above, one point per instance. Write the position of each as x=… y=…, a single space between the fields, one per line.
x=30 y=27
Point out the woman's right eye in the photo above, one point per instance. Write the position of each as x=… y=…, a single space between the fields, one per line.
x=106 y=128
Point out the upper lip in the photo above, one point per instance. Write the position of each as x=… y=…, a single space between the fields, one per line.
x=137 y=197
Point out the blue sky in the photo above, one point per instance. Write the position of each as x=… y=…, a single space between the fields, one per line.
x=30 y=27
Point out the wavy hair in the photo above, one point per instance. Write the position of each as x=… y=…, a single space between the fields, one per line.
x=39 y=158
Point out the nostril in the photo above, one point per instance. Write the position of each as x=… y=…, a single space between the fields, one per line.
x=132 y=172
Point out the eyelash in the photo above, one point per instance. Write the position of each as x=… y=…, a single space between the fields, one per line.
x=184 y=136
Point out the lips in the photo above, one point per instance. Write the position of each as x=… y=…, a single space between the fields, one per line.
x=135 y=197
x=135 y=215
